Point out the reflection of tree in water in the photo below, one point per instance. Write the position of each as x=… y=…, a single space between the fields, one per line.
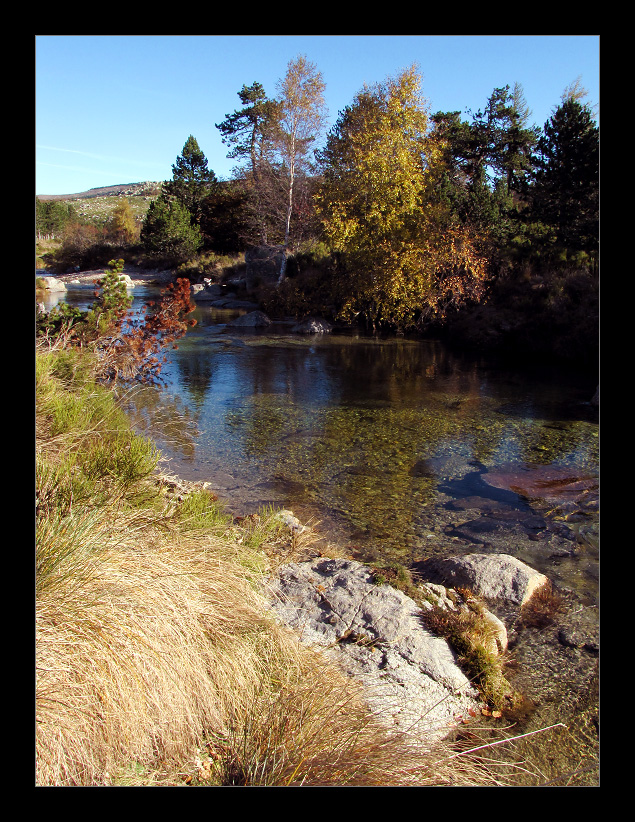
x=196 y=367
x=162 y=416
x=369 y=428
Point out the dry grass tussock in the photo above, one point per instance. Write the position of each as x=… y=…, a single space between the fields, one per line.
x=157 y=659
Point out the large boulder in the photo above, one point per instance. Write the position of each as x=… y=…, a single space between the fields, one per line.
x=262 y=265
x=375 y=633
x=51 y=284
x=202 y=292
x=254 y=319
x=495 y=577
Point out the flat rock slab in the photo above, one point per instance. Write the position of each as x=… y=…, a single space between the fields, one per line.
x=375 y=633
x=546 y=482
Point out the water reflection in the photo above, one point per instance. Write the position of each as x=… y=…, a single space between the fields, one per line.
x=365 y=432
x=385 y=441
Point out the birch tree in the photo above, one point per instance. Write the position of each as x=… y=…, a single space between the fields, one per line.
x=302 y=119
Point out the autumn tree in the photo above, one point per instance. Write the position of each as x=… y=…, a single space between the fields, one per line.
x=302 y=119
x=123 y=225
x=405 y=259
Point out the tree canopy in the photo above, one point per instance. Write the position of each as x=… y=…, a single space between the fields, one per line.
x=168 y=230
x=404 y=257
x=565 y=194
x=191 y=181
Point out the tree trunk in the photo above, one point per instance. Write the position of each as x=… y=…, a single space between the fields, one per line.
x=287 y=227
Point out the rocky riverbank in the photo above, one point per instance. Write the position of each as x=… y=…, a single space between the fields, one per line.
x=388 y=630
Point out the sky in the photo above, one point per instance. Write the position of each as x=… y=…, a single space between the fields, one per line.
x=116 y=109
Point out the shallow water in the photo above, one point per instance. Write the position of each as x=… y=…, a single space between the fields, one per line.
x=388 y=443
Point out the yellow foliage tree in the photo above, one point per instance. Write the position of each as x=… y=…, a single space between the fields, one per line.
x=405 y=261
x=123 y=226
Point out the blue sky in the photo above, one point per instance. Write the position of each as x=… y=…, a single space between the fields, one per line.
x=116 y=109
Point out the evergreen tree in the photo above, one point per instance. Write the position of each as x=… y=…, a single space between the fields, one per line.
x=51 y=217
x=225 y=221
x=565 y=194
x=250 y=132
x=168 y=230
x=191 y=181
x=249 y=129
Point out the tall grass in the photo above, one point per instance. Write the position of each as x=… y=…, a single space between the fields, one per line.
x=157 y=660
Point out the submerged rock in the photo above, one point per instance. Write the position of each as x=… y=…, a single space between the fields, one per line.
x=312 y=325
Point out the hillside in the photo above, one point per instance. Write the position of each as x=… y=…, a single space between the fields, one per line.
x=96 y=204
x=145 y=189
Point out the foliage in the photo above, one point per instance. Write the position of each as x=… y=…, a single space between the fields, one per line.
x=565 y=193
x=123 y=226
x=51 y=216
x=405 y=258
x=469 y=634
x=132 y=350
x=128 y=347
x=225 y=223
x=302 y=118
x=249 y=131
x=273 y=139
x=191 y=181
x=168 y=232
x=487 y=163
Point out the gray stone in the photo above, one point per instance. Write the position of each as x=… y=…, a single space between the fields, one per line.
x=52 y=284
x=375 y=634
x=206 y=293
x=263 y=265
x=496 y=577
x=254 y=319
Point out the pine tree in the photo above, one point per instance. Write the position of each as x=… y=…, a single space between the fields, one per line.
x=191 y=181
x=168 y=230
x=565 y=194
x=250 y=132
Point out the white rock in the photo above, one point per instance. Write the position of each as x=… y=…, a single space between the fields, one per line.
x=492 y=576
x=410 y=676
x=52 y=284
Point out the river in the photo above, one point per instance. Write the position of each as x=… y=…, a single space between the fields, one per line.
x=397 y=447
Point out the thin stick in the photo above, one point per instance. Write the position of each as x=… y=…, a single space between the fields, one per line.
x=509 y=739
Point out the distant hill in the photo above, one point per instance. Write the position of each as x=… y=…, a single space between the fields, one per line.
x=145 y=189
